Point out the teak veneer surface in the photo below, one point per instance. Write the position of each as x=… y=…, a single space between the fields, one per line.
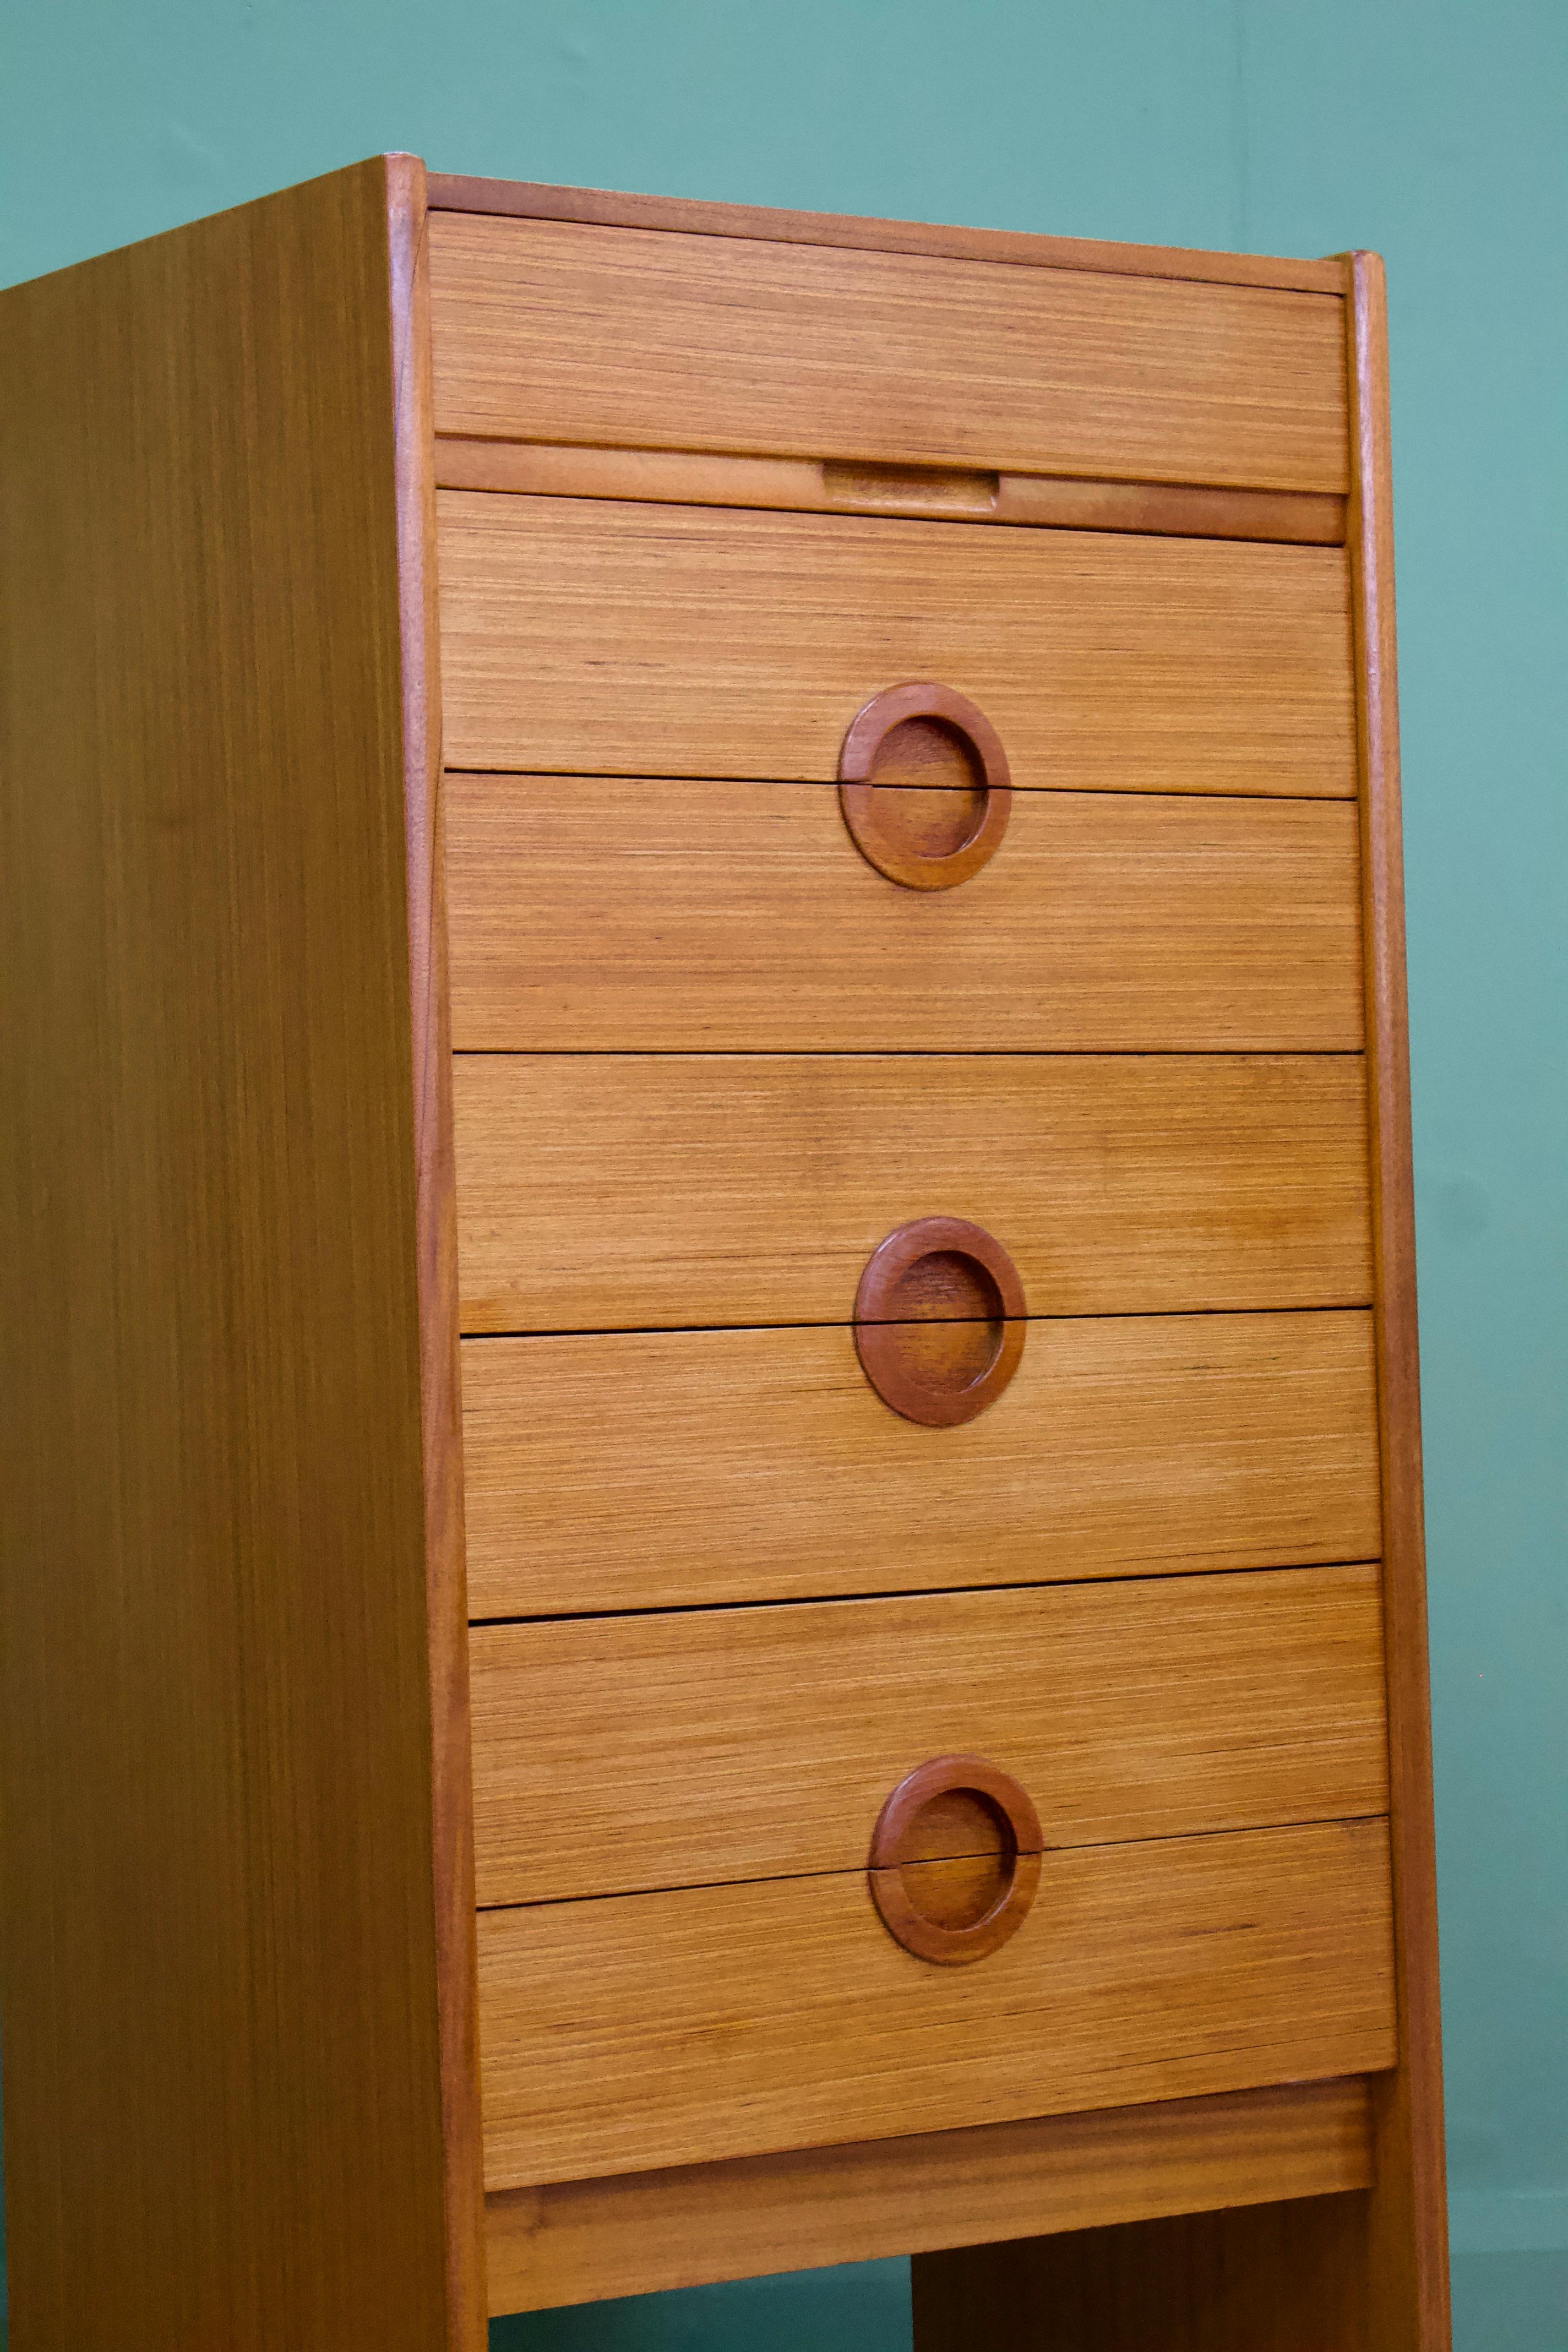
x=588 y=635
x=612 y=208
x=556 y=331
x=604 y=914
x=687 y=1747
x=647 y=1469
x=1405 y=2271
x=818 y=486
x=649 y=2029
x=570 y=2241
x=225 y=2118
x=624 y=1191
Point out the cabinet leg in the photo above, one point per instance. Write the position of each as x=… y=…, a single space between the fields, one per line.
x=1254 y=2278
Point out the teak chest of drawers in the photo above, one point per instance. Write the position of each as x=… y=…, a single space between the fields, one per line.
x=713 y=1543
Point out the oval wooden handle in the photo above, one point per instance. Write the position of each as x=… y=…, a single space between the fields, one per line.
x=891 y=1319
x=871 y=812
x=895 y=1848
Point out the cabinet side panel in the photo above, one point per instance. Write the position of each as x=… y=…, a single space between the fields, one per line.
x=1408 y=2242
x=221 y=2056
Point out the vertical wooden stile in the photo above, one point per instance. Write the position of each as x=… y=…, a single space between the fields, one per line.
x=1407 y=2257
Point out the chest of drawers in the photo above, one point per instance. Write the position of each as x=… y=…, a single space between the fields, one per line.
x=713 y=1545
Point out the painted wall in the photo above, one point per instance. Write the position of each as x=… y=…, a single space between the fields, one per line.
x=1438 y=132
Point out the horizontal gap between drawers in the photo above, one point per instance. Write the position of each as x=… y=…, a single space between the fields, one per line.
x=912 y=1054
x=919 y=1592
x=803 y=1877
x=846 y=1323
x=876 y=490
x=829 y=784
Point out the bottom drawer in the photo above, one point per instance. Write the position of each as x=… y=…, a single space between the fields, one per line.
x=628 y=2032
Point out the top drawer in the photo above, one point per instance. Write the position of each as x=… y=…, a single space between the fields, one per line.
x=556 y=331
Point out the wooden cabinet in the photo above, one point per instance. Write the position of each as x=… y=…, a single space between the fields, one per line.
x=713 y=1537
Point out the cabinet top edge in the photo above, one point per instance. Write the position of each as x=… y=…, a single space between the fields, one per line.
x=606 y=208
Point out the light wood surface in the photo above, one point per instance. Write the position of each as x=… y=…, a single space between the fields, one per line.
x=650 y=2030
x=611 y=913
x=1368 y=2274
x=1408 y=2246
x=585 y=635
x=624 y=1190
x=452 y=1807
x=1257 y=2277
x=650 y=1469
x=537 y=200
x=572 y=2242
x=688 y=1747
x=555 y=330
x=814 y=485
x=218 y=1936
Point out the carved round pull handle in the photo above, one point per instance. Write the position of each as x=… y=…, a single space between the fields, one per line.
x=939 y=1320
x=956 y=1859
x=924 y=735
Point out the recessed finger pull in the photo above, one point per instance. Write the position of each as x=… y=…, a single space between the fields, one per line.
x=924 y=785
x=939 y=1320
x=956 y=1859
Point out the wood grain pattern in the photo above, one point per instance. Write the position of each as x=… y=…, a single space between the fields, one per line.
x=814 y=351
x=669 y=1469
x=222 y=2058
x=624 y=1190
x=652 y=2030
x=623 y=639
x=536 y=200
x=1254 y=2278
x=1368 y=2274
x=691 y=1747
x=572 y=2242
x=607 y=914
x=700 y=478
x=1408 y=2249
x=441 y=1387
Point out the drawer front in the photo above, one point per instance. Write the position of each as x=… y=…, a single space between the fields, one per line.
x=649 y=2029
x=625 y=639
x=609 y=913
x=556 y=331
x=653 y=1469
x=612 y=1755
x=618 y=1191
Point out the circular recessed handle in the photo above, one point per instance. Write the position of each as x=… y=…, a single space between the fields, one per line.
x=939 y=1320
x=956 y=1859
x=876 y=814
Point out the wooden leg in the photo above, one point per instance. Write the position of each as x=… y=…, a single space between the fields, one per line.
x=1254 y=2278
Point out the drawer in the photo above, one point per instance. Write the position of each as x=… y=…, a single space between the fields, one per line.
x=640 y=2030
x=585 y=635
x=647 y=1469
x=606 y=913
x=555 y=330
x=620 y=1192
x=612 y=1755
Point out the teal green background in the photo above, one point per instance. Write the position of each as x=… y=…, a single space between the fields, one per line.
x=1438 y=133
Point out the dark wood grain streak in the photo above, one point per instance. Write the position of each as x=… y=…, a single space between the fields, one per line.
x=534 y=200
x=452 y=1788
x=217 y=1942
x=1407 y=2253
x=1248 y=2277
